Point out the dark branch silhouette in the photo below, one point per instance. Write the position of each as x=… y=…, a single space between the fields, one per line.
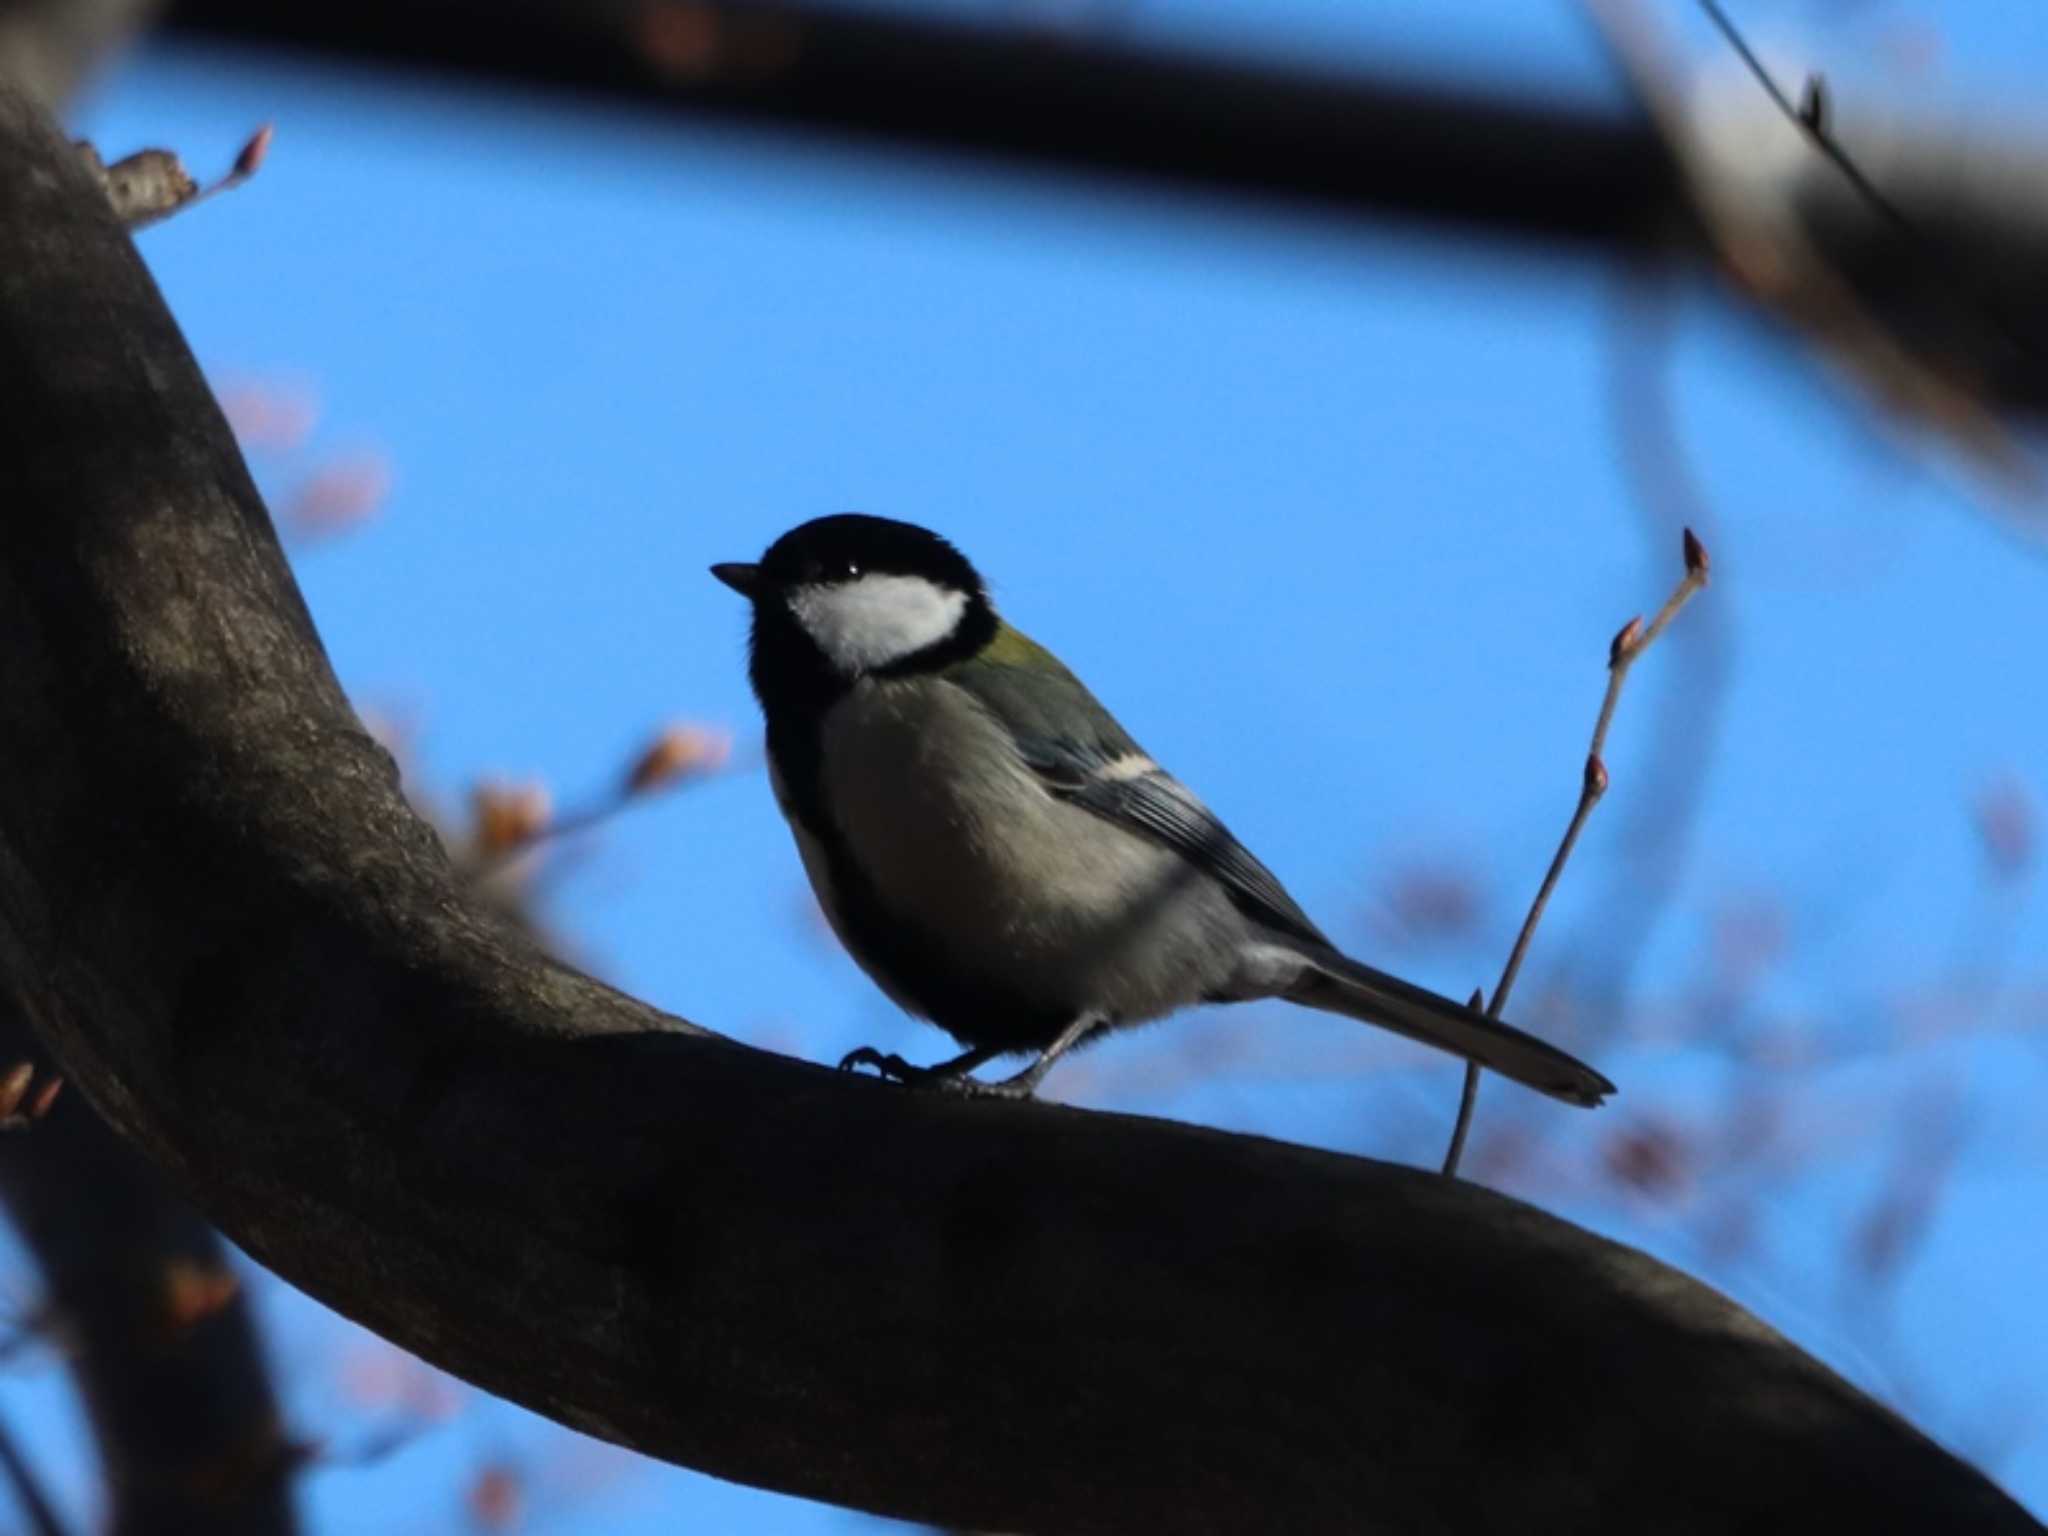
x=219 y=914
x=182 y=1410
x=1576 y=176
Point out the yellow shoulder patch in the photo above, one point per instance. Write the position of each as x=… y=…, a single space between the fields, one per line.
x=1014 y=648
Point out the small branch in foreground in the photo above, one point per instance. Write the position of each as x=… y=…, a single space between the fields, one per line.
x=1623 y=654
x=150 y=185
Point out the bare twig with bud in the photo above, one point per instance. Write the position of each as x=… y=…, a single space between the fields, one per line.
x=508 y=820
x=1623 y=652
x=150 y=185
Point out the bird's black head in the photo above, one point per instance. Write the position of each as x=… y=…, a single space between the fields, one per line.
x=850 y=596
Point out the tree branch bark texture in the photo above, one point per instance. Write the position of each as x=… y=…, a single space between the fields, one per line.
x=182 y=1411
x=219 y=913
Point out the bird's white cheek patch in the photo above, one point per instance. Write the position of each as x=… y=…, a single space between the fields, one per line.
x=872 y=621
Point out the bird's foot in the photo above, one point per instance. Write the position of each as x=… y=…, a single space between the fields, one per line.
x=1021 y=1086
x=888 y=1065
x=947 y=1077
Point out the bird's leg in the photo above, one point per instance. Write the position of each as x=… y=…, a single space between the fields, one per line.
x=1025 y=1083
x=897 y=1070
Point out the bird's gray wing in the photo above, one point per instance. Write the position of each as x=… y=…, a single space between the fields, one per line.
x=1081 y=754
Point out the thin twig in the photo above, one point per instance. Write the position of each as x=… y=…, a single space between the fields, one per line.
x=150 y=185
x=1812 y=117
x=1627 y=648
x=511 y=824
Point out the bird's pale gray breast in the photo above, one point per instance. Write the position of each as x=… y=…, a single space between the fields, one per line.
x=960 y=839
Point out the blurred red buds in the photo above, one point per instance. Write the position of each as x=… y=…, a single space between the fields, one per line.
x=505 y=817
x=678 y=752
x=22 y=1100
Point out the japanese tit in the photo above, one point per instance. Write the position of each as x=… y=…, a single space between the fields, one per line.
x=996 y=851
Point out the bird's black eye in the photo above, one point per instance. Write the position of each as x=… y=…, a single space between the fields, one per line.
x=819 y=569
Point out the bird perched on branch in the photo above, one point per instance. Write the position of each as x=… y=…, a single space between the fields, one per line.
x=999 y=854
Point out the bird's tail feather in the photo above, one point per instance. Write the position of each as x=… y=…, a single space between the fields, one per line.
x=1338 y=984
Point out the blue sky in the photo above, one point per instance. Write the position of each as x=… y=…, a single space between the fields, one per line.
x=1330 y=513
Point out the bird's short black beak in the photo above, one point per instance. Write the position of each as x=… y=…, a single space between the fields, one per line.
x=742 y=578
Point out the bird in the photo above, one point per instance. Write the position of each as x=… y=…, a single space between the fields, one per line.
x=999 y=855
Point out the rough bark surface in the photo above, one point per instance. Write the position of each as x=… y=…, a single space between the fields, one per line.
x=219 y=913
x=182 y=1411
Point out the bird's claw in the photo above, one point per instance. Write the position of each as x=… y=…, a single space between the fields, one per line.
x=892 y=1068
x=888 y=1065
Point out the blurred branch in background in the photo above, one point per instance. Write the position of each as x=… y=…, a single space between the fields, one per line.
x=139 y=1302
x=1901 y=251
x=50 y=47
x=1698 y=174
x=1057 y=100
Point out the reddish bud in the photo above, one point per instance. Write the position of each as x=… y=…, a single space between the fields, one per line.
x=1696 y=561
x=45 y=1096
x=683 y=40
x=194 y=1292
x=2005 y=829
x=509 y=816
x=496 y=1498
x=269 y=414
x=1624 y=640
x=338 y=497
x=14 y=1087
x=1650 y=1157
x=250 y=160
x=1432 y=902
x=681 y=751
x=1596 y=775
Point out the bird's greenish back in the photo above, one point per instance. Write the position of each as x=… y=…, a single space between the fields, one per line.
x=1028 y=688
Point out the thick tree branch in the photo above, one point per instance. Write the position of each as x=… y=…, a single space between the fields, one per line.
x=217 y=910
x=182 y=1411
x=1040 y=96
